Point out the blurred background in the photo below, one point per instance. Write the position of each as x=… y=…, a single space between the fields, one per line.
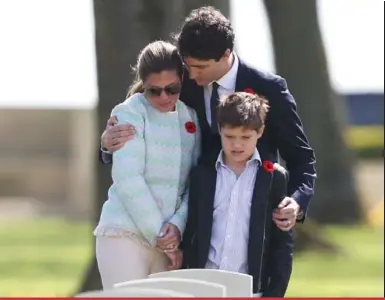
x=65 y=64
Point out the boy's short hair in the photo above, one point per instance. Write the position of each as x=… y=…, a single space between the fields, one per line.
x=242 y=109
x=205 y=34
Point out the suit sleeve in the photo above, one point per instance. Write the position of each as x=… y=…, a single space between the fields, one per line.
x=281 y=247
x=180 y=217
x=127 y=175
x=292 y=143
x=104 y=157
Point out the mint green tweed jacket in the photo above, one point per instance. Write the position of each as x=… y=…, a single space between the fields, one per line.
x=150 y=173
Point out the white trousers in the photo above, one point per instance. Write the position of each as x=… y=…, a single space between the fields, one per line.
x=122 y=259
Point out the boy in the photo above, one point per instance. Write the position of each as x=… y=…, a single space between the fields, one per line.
x=229 y=224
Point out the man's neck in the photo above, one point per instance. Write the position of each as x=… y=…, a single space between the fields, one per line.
x=228 y=66
x=230 y=62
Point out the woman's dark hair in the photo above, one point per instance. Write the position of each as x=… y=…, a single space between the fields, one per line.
x=156 y=57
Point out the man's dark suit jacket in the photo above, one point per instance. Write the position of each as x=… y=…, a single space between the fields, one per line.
x=270 y=250
x=283 y=130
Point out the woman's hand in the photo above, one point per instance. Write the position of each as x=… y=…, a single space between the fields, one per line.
x=169 y=238
x=176 y=258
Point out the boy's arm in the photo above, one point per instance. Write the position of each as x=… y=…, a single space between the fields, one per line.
x=279 y=262
x=280 y=250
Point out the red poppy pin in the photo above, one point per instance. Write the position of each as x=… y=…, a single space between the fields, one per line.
x=249 y=90
x=268 y=166
x=190 y=127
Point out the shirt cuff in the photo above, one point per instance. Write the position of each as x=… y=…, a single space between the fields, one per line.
x=106 y=157
x=300 y=215
x=303 y=205
x=104 y=150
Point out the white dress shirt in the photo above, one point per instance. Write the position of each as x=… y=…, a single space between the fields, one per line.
x=226 y=86
x=231 y=216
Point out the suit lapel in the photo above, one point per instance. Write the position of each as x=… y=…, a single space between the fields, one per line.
x=242 y=81
x=201 y=108
x=257 y=217
x=260 y=194
x=193 y=96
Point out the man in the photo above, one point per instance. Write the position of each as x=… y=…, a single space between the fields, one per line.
x=206 y=43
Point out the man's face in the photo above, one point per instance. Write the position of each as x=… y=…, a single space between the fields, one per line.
x=206 y=71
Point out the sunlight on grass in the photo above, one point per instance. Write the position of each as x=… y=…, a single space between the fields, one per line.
x=365 y=136
x=48 y=258
x=358 y=271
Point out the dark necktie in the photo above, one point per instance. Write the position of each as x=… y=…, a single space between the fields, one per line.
x=213 y=105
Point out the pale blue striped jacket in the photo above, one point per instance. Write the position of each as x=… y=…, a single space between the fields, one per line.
x=150 y=173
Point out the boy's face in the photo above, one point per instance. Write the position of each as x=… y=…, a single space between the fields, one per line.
x=238 y=143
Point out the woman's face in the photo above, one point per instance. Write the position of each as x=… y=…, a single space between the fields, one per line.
x=162 y=90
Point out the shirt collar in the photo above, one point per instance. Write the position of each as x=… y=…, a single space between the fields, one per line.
x=228 y=80
x=255 y=157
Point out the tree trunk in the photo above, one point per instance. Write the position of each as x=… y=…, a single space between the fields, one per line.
x=300 y=58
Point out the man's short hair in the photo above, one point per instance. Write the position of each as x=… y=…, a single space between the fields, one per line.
x=206 y=34
x=242 y=109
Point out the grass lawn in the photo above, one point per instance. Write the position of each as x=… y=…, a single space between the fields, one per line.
x=48 y=257
x=365 y=136
x=358 y=272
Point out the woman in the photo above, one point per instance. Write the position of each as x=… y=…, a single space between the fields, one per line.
x=148 y=197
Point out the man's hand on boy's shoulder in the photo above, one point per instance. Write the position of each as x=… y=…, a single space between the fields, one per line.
x=285 y=216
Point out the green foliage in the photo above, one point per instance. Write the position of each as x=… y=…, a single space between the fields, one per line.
x=366 y=141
